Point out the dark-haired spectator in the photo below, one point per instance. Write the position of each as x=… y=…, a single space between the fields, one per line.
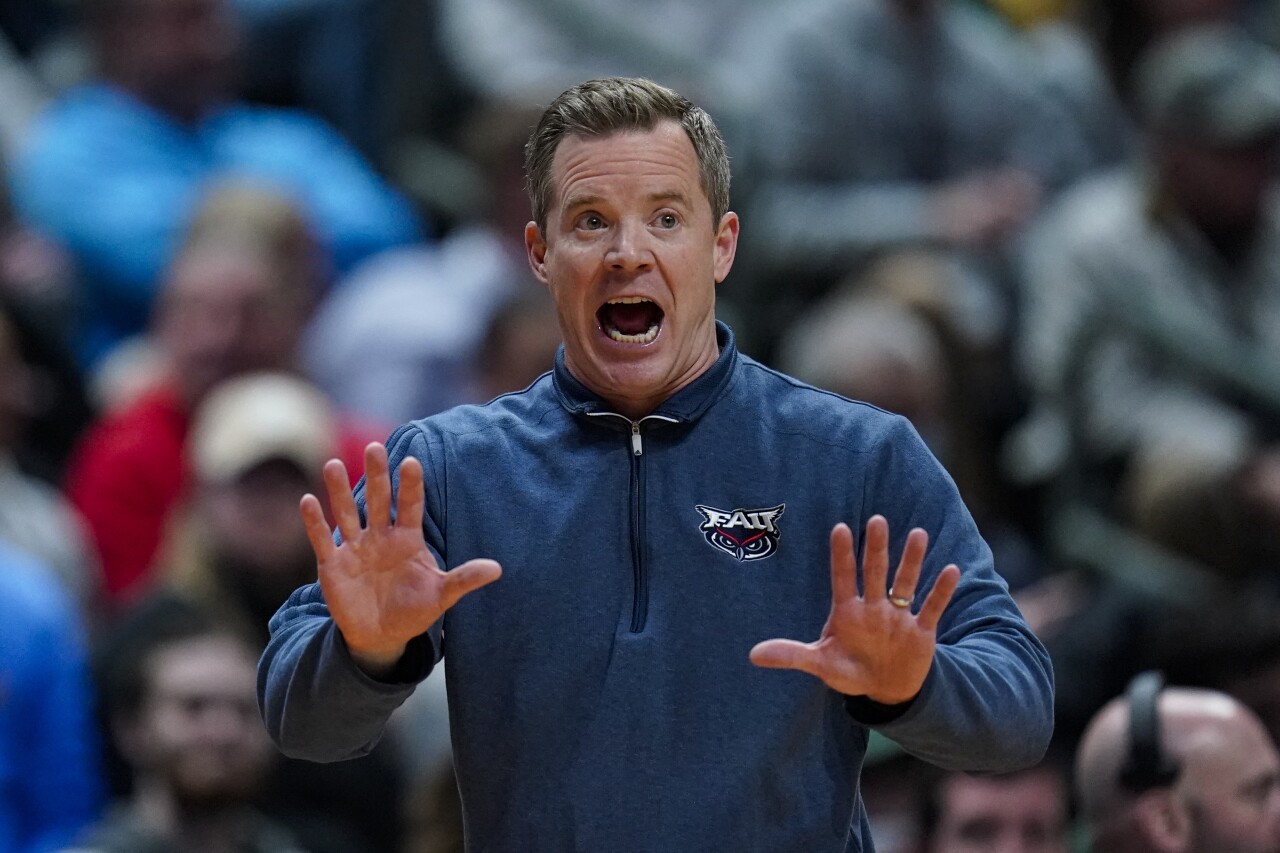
x=50 y=778
x=1023 y=812
x=182 y=713
x=116 y=167
x=237 y=549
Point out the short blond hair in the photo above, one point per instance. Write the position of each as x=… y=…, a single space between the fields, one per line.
x=614 y=104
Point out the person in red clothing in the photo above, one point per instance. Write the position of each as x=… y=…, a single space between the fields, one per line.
x=234 y=301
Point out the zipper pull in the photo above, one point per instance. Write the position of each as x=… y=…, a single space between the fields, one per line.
x=636 y=447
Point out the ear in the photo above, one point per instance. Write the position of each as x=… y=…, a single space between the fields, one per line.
x=1164 y=820
x=536 y=248
x=726 y=245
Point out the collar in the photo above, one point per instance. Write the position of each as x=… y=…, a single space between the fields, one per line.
x=687 y=404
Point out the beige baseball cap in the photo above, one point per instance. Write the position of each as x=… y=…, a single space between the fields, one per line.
x=255 y=418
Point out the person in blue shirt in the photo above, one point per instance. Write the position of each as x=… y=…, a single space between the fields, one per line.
x=51 y=783
x=643 y=546
x=115 y=168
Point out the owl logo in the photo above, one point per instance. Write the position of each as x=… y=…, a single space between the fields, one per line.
x=744 y=534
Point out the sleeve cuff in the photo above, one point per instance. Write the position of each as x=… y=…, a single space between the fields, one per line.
x=871 y=713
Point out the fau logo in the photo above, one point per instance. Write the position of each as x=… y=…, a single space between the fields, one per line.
x=746 y=534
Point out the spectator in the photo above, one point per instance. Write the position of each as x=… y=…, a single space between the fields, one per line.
x=182 y=712
x=1023 y=812
x=1150 y=292
x=1178 y=771
x=115 y=168
x=234 y=301
x=238 y=549
x=255 y=446
x=50 y=779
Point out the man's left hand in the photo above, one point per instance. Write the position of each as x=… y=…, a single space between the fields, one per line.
x=873 y=644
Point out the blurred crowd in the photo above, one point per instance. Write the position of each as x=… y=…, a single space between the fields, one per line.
x=241 y=237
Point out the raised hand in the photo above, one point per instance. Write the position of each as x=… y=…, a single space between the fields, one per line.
x=382 y=584
x=873 y=645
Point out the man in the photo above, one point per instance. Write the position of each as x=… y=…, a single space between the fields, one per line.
x=114 y=168
x=180 y=705
x=1152 y=308
x=233 y=302
x=656 y=507
x=1021 y=812
x=257 y=444
x=1222 y=792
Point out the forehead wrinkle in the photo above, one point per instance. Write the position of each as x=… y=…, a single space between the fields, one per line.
x=660 y=154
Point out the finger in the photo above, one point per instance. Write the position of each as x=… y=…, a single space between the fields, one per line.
x=786 y=654
x=844 y=569
x=875 y=559
x=908 y=574
x=341 y=502
x=318 y=532
x=409 y=497
x=939 y=597
x=467 y=578
x=377 y=486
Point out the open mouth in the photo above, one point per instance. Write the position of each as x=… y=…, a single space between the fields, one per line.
x=630 y=319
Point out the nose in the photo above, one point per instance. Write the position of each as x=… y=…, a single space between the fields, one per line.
x=628 y=249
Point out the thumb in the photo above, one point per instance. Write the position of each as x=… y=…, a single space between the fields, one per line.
x=467 y=578
x=785 y=654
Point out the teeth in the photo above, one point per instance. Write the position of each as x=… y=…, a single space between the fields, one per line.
x=647 y=337
x=627 y=300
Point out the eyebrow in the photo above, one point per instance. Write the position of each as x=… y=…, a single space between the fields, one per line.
x=588 y=200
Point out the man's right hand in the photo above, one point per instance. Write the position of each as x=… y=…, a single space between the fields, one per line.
x=382 y=583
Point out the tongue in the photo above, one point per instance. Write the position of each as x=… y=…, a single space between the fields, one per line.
x=633 y=318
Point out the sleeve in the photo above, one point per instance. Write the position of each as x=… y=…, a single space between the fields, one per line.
x=316 y=702
x=987 y=703
x=1114 y=376
x=119 y=202
x=62 y=785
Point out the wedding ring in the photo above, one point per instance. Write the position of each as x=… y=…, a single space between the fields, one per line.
x=898 y=601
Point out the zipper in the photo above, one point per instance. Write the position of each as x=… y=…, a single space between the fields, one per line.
x=640 y=595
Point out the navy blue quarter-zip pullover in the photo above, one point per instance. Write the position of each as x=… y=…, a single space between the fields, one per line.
x=600 y=692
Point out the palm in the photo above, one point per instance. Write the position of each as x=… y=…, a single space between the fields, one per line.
x=869 y=646
x=382 y=584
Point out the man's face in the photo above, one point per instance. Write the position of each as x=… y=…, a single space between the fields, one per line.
x=254 y=530
x=223 y=314
x=1231 y=785
x=199 y=729
x=631 y=257
x=1025 y=813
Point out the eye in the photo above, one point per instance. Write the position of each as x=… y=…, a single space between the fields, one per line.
x=668 y=220
x=590 y=222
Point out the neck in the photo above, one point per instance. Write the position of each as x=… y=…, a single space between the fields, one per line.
x=211 y=827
